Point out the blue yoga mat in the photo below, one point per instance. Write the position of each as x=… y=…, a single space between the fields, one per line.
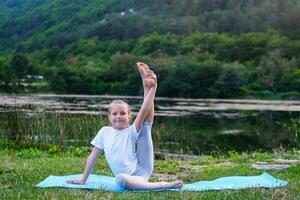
x=264 y=180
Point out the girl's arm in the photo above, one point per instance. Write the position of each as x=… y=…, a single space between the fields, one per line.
x=88 y=167
x=150 y=116
x=148 y=79
x=146 y=108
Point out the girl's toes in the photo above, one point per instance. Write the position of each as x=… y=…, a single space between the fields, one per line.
x=177 y=184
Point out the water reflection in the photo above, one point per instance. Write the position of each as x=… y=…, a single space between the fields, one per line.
x=164 y=106
x=205 y=133
x=182 y=125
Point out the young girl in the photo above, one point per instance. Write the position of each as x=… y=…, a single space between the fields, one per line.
x=128 y=149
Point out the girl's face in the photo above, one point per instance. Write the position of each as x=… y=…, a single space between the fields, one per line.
x=119 y=116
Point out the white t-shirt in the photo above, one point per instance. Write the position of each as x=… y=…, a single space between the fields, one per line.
x=119 y=148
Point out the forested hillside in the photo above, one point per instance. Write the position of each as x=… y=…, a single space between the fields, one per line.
x=30 y=25
x=199 y=48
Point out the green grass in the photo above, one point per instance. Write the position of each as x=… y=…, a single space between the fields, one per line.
x=21 y=170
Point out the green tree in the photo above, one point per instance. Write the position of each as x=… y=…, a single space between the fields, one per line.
x=271 y=69
x=8 y=77
x=250 y=46
x=20 y=65
x=122 y=70
x=231 y=81
x=220 y=45
x=192 y=79
x=156 y=44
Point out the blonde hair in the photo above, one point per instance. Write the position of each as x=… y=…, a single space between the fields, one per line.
x=117 y=101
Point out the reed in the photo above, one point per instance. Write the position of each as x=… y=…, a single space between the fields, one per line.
x=42 y=129
x=35 y=128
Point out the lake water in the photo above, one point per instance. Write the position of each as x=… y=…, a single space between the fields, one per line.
x=181 y=125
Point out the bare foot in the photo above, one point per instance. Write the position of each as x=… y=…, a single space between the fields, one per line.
x=172 y=185
x=148 y=77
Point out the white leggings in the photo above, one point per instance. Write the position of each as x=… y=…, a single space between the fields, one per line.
x=145 y=157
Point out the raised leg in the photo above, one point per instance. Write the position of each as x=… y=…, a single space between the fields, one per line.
x=144 y=151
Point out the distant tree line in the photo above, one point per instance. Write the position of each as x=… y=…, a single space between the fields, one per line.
x=31 y=25
x=200 y=65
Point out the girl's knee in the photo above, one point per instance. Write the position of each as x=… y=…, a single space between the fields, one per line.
x=121 y=179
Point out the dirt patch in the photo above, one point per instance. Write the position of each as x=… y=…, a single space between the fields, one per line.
x=280 y=164
x=270 y=166
x=161 y=155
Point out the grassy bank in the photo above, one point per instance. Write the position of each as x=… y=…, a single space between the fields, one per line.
x=21 y=170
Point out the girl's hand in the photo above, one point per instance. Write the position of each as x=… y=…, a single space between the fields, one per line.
x=76 y=181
